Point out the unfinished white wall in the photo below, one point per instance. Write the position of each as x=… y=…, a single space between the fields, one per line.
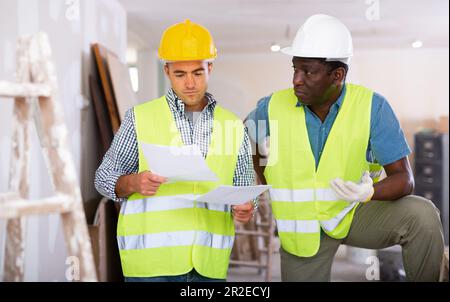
x=147 y=64
x=238 y=81
x=414 y=81
x=72 y=26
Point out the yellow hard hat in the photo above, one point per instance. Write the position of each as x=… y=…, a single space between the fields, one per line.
x=186 y=41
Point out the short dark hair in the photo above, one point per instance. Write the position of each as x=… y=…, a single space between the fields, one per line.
x=332 y=65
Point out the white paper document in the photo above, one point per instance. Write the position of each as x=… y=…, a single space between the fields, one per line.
x=233 y=195
x=184 y=163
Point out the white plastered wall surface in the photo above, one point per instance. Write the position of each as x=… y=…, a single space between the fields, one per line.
x=414 y=81
x=72 y=26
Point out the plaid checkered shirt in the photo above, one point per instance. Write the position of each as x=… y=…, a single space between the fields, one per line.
x=122 y=156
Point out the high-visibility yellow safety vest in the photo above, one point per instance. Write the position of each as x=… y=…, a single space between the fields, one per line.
x=169 y=233
x=302 y=200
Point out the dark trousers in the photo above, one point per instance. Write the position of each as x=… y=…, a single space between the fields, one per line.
x=192 y=276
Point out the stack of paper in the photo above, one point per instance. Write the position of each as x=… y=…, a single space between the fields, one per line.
x=178 y=163
x=186 y=163
x=233 y=195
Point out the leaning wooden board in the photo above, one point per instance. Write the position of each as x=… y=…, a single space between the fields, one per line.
x=101 y=112
x=100 y=54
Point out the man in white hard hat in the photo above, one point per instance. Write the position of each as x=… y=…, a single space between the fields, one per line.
x=327 y=139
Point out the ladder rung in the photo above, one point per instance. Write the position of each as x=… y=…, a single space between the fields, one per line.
x=248 y=263
x=265 y=250
x=16 y=208
x=12 y=89
x=255 y=233
x=8 y=196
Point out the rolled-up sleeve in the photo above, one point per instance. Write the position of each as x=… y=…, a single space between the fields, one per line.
x=387 y=140
x=120 y=159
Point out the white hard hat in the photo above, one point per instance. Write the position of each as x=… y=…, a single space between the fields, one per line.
x=322 y=36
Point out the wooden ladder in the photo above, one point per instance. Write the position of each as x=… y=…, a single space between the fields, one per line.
x=263 y=227
x=34 y=94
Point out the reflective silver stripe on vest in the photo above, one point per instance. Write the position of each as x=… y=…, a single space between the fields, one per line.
x=332 y=223
x=158 y=203
x=298 y=226
x=303 y=195
x=326 y=195
x=213 y=206
x=214 y=240
x=179 y=238
x=292 y=195
x=165 y=203
x=148 y=241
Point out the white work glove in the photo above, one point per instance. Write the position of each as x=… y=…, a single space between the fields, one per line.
x=353 y=192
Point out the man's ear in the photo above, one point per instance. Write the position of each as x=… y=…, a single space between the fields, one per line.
x=210 y=67
x=166 y=69
x=339 y=75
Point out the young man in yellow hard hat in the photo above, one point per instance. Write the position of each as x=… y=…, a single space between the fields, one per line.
x=164 y=235
x=325 y=135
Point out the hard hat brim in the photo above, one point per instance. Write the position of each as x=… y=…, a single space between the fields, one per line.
x=288 y=51
x=291 y=52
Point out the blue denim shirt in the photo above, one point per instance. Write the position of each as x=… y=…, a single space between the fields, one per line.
x=387 y=142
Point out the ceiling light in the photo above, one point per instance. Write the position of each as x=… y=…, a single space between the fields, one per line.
x=275 y=47
x=417 y=44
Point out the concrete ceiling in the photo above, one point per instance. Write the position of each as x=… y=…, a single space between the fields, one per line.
x=253 y=25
